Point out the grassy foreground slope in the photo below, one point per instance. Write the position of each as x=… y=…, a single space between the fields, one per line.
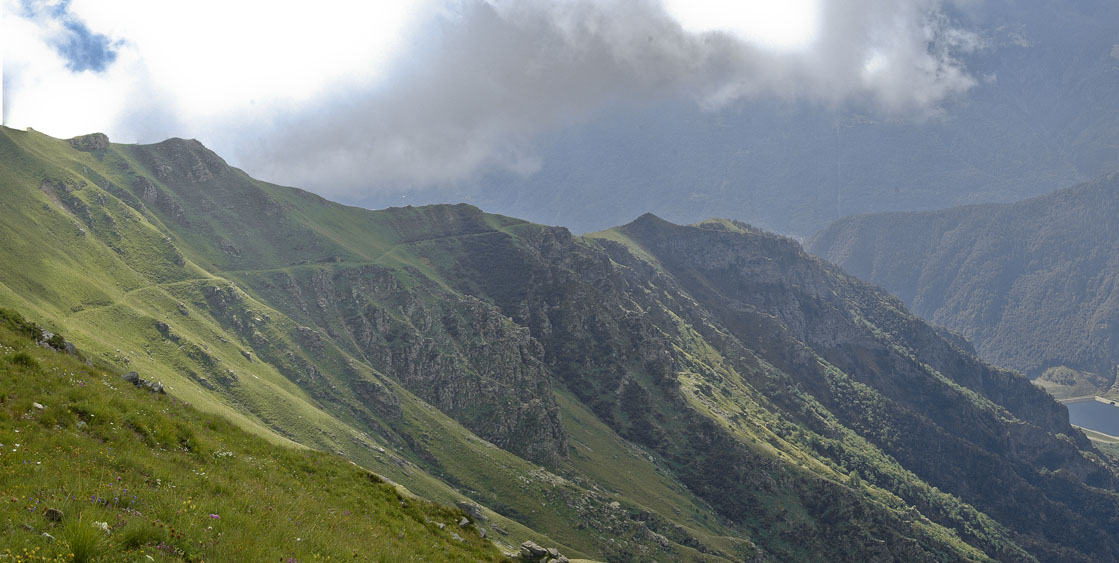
x=94 y=467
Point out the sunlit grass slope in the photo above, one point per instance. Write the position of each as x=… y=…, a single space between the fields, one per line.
x=135 y=473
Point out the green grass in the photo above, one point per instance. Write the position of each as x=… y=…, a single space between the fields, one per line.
x=175 y=484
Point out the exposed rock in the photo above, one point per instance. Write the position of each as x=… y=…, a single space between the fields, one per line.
x=90 y=142
x=53 y=515
x=230 y=248
x=135 y=379
x=379 y=397
x=472 y=509
x=463 y=522
x=531 y=551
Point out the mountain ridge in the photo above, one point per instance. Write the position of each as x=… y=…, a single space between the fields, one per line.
x=657 y=391
x=1031 y=283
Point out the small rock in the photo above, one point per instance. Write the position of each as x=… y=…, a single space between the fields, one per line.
x=48 y=536
x=440 y=525
x=457 y=537
x=482 y=532
x=27 y=527
x=38 y=406
x=132 y=377
x=463 y=522
x=553 y=552
x=53 y=515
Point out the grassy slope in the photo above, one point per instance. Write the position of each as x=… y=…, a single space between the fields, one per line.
x=173 y=483
x=591 y=504
x=108 y=301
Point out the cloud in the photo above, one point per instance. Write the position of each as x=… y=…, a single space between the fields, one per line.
x=81 y=48
x=475 y=83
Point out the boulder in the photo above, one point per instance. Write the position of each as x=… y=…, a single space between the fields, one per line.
x=532 y=551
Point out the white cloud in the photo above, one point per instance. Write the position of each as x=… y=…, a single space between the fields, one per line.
x=339 y=99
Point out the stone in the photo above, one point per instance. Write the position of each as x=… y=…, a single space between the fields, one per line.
x=132 y=377
x=48 y=536
x=53 y=515
x=90 y=142
x=463 y=522
x=472 y=509
x=38 y=406
x=532 y=550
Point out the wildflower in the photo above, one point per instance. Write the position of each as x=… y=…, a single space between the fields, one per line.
x=103 y=526
x=215 y=516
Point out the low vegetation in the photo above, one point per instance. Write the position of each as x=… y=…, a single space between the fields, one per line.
x=95 y=468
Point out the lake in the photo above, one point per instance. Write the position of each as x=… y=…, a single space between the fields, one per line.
x=1101 y=417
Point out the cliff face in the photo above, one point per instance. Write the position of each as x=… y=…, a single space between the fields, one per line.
x=456 y=352
x=1033 y=284
x=705 y=392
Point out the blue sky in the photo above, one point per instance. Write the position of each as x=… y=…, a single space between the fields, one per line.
x=81 y=48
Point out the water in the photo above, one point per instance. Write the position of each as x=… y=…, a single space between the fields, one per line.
x=1095 y=415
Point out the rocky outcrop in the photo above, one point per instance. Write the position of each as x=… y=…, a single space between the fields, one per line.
x=91 y=142
x=458 y=353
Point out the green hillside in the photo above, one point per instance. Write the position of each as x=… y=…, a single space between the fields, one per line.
x=95 y=468
x=652 y=392
x=1032 y=284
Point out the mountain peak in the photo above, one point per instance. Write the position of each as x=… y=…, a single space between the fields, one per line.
x=90 y=142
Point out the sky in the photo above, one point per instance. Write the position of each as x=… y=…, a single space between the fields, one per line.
x=346 y=98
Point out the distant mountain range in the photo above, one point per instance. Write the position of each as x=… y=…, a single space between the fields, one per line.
x=1043 y=116
x=1035 y=284
x=653 y=391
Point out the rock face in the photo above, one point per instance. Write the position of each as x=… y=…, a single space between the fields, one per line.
x=91 y=142
x=456 y=352
x=844 y=347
